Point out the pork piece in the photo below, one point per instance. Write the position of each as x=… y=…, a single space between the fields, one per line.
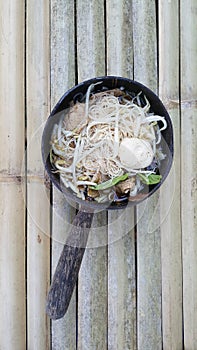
x=92 y=193
x=125 y=186
x=75 y=117
x=97 y=177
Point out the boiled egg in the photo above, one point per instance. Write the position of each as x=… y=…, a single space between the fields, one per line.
x=135 y=153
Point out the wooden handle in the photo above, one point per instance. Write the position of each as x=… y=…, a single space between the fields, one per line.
x=69 y=263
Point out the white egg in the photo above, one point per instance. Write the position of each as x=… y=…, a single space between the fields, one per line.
x=135 y=153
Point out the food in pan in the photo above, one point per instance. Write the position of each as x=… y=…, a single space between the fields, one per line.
x=107 y=146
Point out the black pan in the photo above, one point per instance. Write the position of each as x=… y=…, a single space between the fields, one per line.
x=66 y=273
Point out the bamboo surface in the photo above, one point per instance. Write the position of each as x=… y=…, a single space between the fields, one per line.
x=137 y=287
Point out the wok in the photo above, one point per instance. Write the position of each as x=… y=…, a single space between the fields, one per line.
x=67 y=269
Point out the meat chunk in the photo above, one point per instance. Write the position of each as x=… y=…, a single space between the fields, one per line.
x=76 y=116
x=125 y=186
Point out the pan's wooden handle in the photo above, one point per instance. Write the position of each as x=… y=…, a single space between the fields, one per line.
x=67 y=270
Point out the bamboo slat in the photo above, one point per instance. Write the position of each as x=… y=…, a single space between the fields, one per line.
x=12 y=267
x=92 y=287
x=62 y=48
x=38 y=202
x=12 y=206
x=90 y=39
x=148 y=233
x=121 y=281
x=119 y=38
x=145 y=42
x=63 y=330
x=12 y=86
x=149 y=278
x=37 y=266
x=121 y=239
x=62 y=78
x=170 y=191
x=188 y=9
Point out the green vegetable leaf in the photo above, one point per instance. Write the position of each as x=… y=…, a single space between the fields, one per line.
x=109 y=183
x=151 y=179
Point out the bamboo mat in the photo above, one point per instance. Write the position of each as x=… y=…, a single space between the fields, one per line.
x=137 y=287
